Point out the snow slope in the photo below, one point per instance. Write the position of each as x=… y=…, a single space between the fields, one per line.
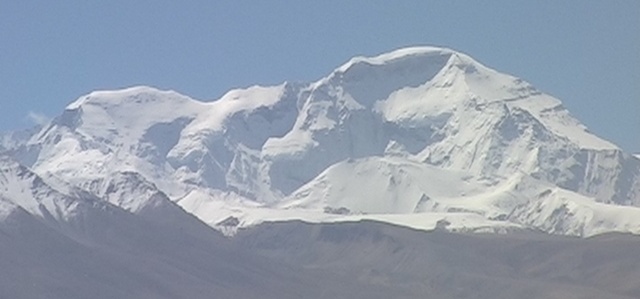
x=418 y=130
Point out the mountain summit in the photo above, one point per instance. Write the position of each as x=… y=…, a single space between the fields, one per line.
x=425 y=137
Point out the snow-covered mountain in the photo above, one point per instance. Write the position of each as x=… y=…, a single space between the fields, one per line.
x=425 y=137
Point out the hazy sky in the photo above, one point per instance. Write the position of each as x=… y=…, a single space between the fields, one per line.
x=51 y=52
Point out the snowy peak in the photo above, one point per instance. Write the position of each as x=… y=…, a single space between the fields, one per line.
x=414 y=85
x=368 y=79
x=136 y=95
x=404 y=62
x=20 y=186
x=412 y=59
x=410 y=124
x=131 y=111
x=440 y=67
x=395 y=56
x=78 y=212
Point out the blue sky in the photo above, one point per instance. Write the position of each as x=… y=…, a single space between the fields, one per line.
x=52 y=52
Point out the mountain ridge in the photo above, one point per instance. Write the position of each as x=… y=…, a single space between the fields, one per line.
x=251 y=151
